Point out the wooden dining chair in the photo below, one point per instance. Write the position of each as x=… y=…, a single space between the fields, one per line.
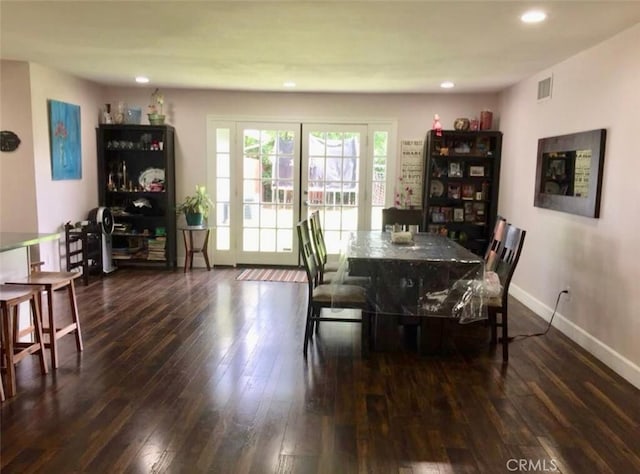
x=406 y=283
x=329 y=273
x=405 y=217
x=330 y=295
x=508 y=254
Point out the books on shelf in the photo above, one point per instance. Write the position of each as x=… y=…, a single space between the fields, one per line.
x=156 y=248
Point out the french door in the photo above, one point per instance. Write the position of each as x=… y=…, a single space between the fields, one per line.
x=268 y=180
x=266 y=176
x=333 y=181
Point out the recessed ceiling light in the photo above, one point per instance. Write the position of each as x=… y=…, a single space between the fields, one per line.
x=447 y=85
x=289 y=84
x=533 y=16
x=142 y=80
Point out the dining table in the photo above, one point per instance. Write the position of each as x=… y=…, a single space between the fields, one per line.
x=425 y=276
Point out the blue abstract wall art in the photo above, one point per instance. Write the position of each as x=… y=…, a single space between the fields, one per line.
x=64 y=130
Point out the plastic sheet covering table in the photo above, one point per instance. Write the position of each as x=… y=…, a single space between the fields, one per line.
x=432 y=276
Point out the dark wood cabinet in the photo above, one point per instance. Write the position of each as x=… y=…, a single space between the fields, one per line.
x=461 y=184
x=136 y=180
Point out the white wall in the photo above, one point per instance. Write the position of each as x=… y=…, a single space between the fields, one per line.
x=598 y=258
x=187 y=111
x=64 y=200
x=31 y=200
x=18 y=208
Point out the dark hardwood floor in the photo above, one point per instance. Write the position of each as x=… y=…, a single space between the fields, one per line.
x=198 y=372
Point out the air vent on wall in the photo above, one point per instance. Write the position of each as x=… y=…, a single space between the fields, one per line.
x=544 y=89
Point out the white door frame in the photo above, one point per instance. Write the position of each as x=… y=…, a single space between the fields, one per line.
x=228 y=255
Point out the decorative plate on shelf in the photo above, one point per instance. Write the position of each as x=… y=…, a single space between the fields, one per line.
x=437 y=188
x=152 y=179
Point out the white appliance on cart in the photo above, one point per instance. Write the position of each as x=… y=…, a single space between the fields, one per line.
x=103 y=219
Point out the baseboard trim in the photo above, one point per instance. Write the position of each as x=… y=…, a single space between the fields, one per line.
x=615 y=361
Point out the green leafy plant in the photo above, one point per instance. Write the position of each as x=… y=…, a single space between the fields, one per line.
x=198 y=203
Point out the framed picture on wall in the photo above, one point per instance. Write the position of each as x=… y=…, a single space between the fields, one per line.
x=569 y=172
x=64 y=137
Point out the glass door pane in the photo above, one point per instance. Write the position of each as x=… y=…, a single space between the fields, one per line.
x=223 y=189
x=332 y=182
x=269 y=182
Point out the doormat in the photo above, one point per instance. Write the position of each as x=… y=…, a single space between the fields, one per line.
x=273 y=274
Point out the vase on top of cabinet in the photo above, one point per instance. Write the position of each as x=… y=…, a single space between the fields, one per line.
x=461 y=184
x=136 y=180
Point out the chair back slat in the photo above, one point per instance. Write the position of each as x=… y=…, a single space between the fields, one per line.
x=307 y=252
x=491 y=255
x=508 y=255
x=318 y=238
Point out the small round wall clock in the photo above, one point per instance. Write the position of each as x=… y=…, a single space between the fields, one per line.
x=9 y=141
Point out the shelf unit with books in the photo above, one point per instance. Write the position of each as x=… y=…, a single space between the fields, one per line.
x=136 y=180
x=461 y=185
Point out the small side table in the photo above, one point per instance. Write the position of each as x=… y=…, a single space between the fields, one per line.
x=187 y=234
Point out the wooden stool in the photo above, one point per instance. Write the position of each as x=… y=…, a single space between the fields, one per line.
x=51 y=281
x=14 y=351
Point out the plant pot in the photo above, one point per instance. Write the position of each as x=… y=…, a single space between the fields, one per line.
x=194 y=218
x=156 y=119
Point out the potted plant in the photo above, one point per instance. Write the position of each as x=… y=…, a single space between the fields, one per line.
x=196 y=206
x=156 y=117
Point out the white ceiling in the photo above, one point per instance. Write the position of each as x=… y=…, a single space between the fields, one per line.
x=324 y=46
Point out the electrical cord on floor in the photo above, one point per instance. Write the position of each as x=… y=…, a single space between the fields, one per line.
x=522 y=336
